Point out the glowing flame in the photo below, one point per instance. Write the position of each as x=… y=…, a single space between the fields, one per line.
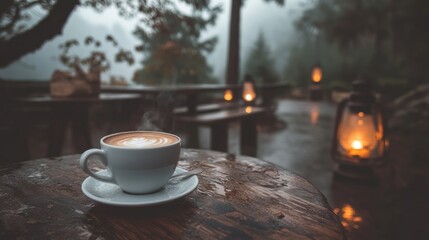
x=359 y=135
x=228 y=96
x=248 y=109
x=348 y=217
x=316 y=74
x=356 y=144
x=248 y=92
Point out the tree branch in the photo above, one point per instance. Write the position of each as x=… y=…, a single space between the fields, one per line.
x=30 y=4
x=32 y=39
x=6 y=4
x=11 y=24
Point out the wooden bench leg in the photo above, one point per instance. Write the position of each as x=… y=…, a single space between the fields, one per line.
x=248 y=137
x=191 y=103
x=57 y=129
x=219 y=137
x=193 y=137
x=81 y=132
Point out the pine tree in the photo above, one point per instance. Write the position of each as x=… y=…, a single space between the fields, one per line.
x=173 y=50
x=260 y=64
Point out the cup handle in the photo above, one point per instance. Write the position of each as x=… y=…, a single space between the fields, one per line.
x=102 y=156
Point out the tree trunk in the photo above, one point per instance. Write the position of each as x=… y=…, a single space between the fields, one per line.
x=32 y=39
x=233 y=65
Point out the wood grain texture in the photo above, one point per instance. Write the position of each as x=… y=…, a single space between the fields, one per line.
x=238 y=198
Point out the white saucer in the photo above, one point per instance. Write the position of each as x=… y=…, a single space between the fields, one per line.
x=111 y=194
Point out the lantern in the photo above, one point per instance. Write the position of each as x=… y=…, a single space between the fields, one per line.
x=316 y=91
x=249 y=94
x=316 y=74
x=360 y=136
x=228 y=95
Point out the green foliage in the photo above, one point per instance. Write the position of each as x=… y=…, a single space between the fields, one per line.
x=338 y=86
x=338 y=65
x=259 y=64
x=279 y=2
x=173 y=50
x=96 y=61
x=17 y=16
x=410 y=38
x=348 y=22
x=384 y=39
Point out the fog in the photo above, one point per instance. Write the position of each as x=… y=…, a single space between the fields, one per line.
x=276 y=23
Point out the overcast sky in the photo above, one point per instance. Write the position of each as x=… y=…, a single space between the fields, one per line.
x=276 y=22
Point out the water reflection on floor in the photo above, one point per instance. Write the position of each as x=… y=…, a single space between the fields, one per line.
x=304 y=147
x=392 y=209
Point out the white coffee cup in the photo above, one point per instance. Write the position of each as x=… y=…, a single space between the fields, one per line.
x=139 y=166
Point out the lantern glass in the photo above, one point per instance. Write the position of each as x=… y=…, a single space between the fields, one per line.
x=316 y=75
x=248 y=91
x=228 y=95
x=360 y=135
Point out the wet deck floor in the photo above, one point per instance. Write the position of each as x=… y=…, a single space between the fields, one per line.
x=395 y=208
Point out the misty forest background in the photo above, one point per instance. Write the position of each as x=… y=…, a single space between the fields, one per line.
x=182 y=42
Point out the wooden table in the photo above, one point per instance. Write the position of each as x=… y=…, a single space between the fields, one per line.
x=237 y=198
x=74 y=110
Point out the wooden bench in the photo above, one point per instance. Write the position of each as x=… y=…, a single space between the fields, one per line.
x=207 y=108
x=218 y=122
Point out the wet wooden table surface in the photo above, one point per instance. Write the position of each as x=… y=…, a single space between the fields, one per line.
x=238 y=198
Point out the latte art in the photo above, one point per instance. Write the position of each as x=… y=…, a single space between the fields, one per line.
x=141 y=140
